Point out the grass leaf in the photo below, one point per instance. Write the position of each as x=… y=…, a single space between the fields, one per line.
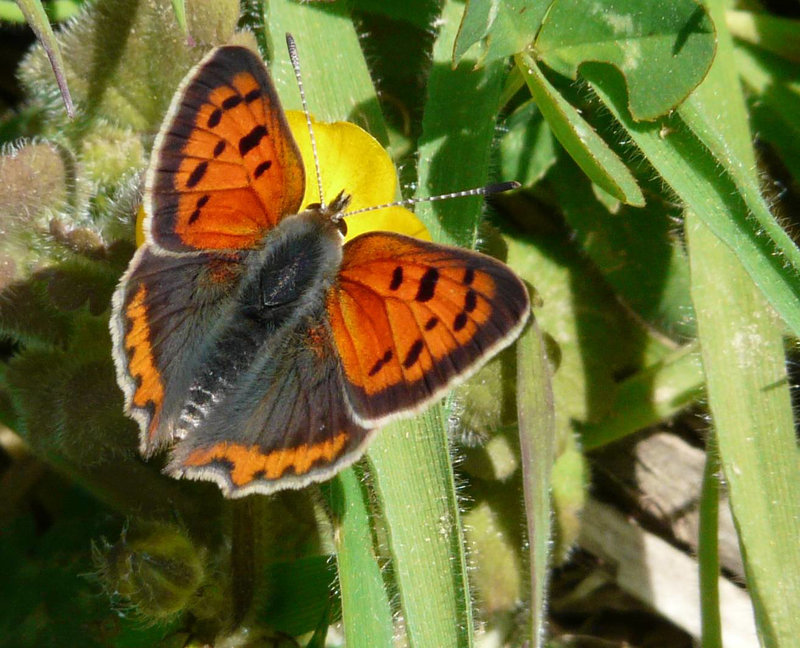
x=535 y=407
x=743 y=359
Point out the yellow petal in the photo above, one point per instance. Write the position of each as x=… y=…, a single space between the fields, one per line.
x=350 y=159
x=391 y=219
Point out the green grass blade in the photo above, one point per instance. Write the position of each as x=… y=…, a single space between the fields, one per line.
x=179 y=9
x=535 y=408
x=414 y=475
x=458 y=128
x=338 y=88
x=37 y=18
x=416 y=489
x=57 y=11
x=728 y=139
x=335 y=89
x=708 y=553
x=366 y=613
x=748 y=393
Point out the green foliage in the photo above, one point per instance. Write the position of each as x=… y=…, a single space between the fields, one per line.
x=610 y=117
x=645 y=45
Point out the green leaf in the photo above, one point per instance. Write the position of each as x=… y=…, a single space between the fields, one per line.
x=416 y=490
x=299 y=594
x=748 y=392
x=731 y=202
x=332 y=94
x=663 y=48
x=10 y=12
x=591 y=339
x=419 y=13
x=56 y=10
x=508 y=26
x=579 y=139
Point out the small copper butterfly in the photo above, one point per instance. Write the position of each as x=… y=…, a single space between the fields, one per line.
x=247 y=336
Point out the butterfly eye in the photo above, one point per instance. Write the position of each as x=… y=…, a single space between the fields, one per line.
x=341 y=226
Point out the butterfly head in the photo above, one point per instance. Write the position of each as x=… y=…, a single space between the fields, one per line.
x=332 y=213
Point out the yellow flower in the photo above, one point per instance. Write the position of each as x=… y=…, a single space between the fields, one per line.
x=350 y=159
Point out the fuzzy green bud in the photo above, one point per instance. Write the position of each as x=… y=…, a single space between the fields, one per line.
x=155 y=570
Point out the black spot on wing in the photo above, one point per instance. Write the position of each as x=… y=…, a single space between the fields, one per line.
x=470 y=301
x=214 y=118
x=469 y=276
x=219 y=148
x=431 y=323
x=427 y=285
x=397 y=278
x=251 y=96
x=252 y=139
x=201 y=202
x=231 y=102
x=413 y=354
x=460 y=321
x=197 y=174
x=381 y=363
x=261 y=168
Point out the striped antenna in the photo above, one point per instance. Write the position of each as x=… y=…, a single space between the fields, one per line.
x=478 y=191
x=292 y=47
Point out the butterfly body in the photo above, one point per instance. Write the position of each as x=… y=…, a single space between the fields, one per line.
x=249 y=337
x=280 y=294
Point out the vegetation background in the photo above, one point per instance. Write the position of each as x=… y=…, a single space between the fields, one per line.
x=627 y=475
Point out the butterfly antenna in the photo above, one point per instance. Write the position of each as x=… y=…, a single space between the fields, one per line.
x=292 y=47
x=478 y=191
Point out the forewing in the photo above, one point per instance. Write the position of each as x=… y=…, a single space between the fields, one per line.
x=225 y=167
x=163 y=311
x=410 y=319
x=283 y=425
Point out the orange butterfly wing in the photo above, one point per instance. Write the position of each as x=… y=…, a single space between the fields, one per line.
x=225 y=167
x=411 y=319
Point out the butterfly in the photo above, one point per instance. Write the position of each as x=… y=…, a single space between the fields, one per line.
x=247 y=336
